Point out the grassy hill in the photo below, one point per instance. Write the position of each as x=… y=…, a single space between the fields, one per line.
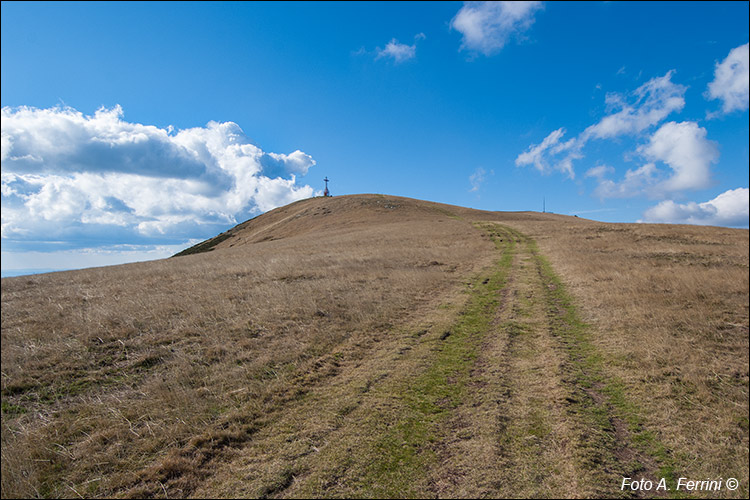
x=377 y=346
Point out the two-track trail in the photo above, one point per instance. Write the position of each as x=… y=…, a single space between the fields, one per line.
x=513 y=434
x=535 y=421
x=498 y=394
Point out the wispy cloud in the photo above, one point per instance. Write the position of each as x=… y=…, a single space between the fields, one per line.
x=731 y=81
x=599 y=172
x=399 y=52
x=634 y=182
x=110 y=255
x=629 y=114
x=477 y=178
x=94 y=180
x=730 y=208
x=539 y=155
x=646 y=106
x=488 y=26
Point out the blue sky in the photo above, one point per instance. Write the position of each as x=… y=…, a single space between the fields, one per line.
x=131 y=130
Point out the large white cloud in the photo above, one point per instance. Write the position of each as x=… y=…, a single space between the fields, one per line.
x=730 y=208
x=73 y=178
x=731 y=80
x=487 y=26
x=683 y=147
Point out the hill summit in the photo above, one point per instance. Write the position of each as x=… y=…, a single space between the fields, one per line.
x=331 y=215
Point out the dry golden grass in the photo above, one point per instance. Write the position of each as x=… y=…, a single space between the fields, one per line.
x=669 y=304
x=108 y=371
x=168 y=377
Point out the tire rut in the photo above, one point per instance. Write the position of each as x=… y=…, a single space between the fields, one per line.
x=605 y=450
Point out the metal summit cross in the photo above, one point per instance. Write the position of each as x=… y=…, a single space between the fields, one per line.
x=326 y=192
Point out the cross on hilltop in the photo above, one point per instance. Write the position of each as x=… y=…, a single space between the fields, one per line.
x=326 y=192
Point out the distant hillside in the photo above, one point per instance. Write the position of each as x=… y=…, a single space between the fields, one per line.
x=341 y=213
x=378 y=346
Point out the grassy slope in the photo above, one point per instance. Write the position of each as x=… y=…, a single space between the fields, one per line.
x=381 y=346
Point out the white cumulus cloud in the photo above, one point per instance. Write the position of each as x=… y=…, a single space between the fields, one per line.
x=731 y=80
x=84 y=180
x=730 y=208
x=682 y=147
x=488 y=26
x=685 y=149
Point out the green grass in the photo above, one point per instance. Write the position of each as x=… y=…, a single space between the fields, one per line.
x=11 y=409
x=205 y=246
